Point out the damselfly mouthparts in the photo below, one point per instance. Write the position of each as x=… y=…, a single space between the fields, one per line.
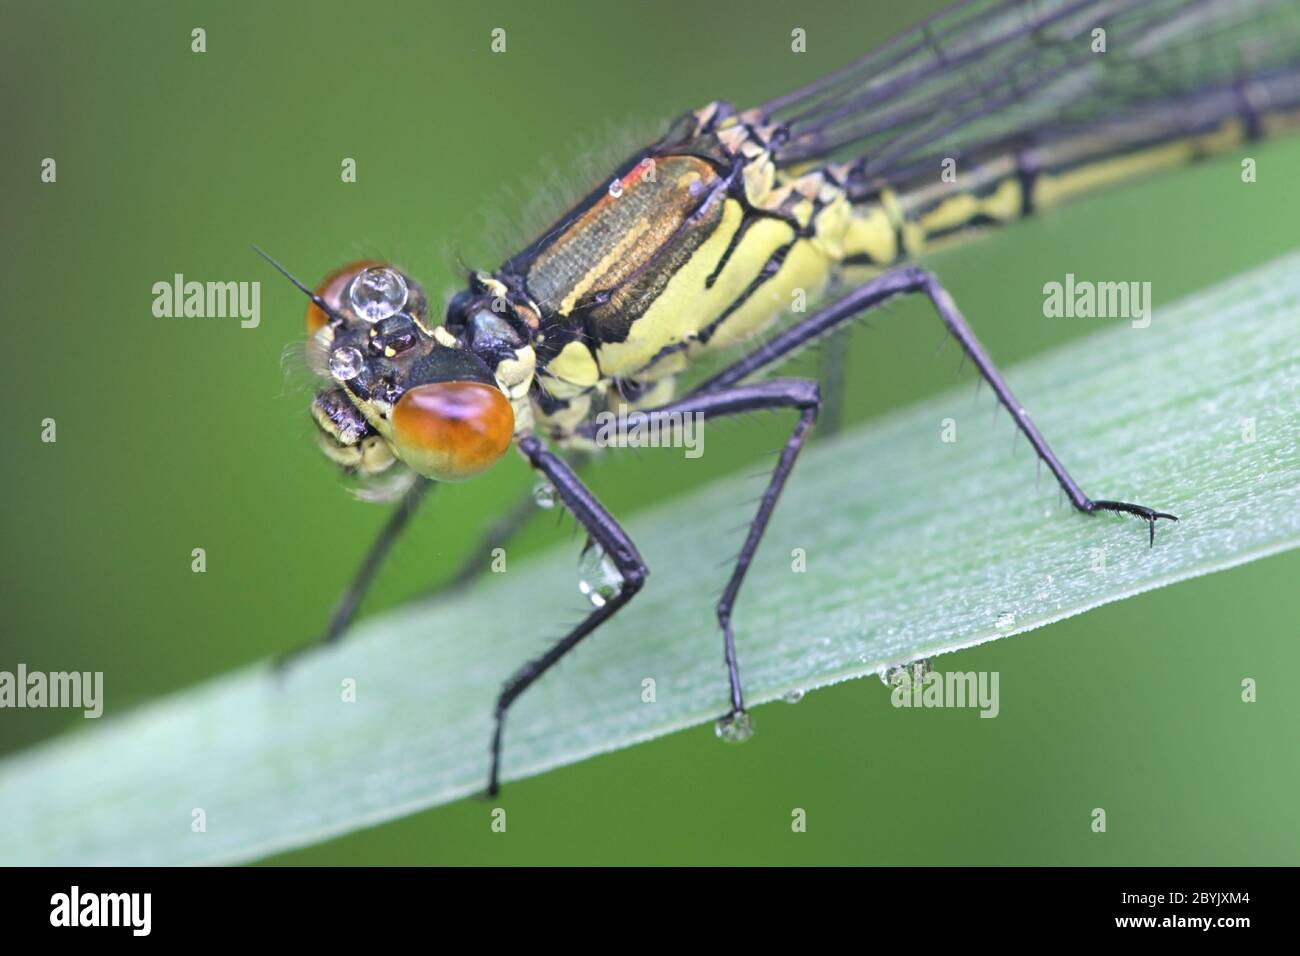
x=702 y=240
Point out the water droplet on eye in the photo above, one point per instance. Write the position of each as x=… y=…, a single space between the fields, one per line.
x=377 y=293
x=598 y=579
x=792 y=696
x=345 y=363
x=1005 y=620
x=734 y=728
x=544 y=494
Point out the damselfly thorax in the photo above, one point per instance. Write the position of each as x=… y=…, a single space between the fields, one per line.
x=695 y=244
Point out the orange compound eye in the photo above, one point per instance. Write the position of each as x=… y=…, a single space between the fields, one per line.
x=451 y=431
x=332 y=289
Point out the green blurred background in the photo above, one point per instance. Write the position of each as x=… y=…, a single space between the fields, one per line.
x=176 y=434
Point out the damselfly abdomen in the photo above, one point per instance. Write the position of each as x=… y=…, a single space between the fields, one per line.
x=703 y=240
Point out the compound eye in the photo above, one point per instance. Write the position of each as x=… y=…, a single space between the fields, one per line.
x=333 y=289
x=451 y=431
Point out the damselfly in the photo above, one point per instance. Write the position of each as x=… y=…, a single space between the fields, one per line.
x=986 y=113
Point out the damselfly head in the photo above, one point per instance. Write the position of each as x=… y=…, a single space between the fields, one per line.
x=400 y=390
x=433 y=400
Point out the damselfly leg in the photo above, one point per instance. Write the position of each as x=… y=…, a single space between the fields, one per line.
x=605 y=533
x=912 y=280
x=799 y=394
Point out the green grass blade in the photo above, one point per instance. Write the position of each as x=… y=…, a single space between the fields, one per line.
x=913 y=546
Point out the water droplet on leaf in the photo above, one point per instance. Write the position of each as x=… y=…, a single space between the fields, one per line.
x=906 y=675
x=734 y=728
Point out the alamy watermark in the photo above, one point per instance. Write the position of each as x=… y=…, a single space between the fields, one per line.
x=1083 y=299
x=662 y=430
x=76 y=689
x=179 y=299
x=923 y=688
x=130 y=910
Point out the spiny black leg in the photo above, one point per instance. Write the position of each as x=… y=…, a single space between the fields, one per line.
x=618 y=547
x=802 y=395
x=346 y=608
x=914 y=280
x=798 y=394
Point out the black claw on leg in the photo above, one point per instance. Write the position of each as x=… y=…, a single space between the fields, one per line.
x=1149 y=515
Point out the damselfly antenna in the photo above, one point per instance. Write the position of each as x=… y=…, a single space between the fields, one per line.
x=319 y=302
